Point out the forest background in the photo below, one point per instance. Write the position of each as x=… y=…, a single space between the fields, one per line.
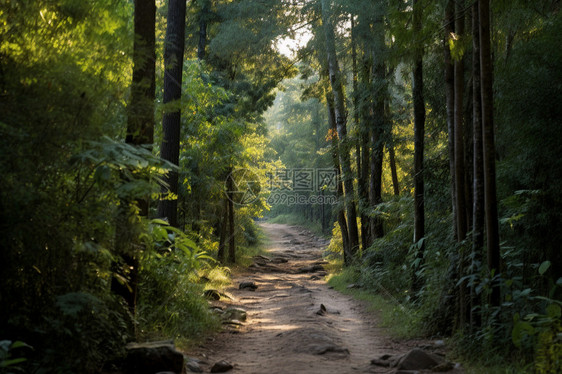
x=129 y=129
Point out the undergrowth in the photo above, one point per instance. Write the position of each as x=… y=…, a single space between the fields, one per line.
x=400 y=318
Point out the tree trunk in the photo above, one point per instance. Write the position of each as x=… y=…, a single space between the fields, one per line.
x=459 y=130
x=362 y=148
x=393 y=171
x=203 y=30
x=140 y=111
x=419 y=134
x=491 y=204
x=170 y=149
x=221 y=254
x=347 y=252
x=231 y=212
x=478 y=186
x=140 y=131
x=366 y=123
x=379 y=121
x=341 y=120
x=450 y=100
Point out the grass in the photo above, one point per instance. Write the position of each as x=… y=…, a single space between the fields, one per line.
x=245 y=254
x=401 y=320
x=404 y=321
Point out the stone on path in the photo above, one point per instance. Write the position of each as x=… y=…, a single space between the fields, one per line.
x=221 y=367
x=193 y=366
x=249 y=286
x=153 y=357
x=416 y=359
x=235 y=314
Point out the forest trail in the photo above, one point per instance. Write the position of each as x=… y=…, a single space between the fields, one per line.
x=286 y=330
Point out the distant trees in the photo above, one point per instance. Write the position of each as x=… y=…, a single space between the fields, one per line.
x=409 y=86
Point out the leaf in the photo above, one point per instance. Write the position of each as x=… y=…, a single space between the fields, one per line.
x=159 y=221
x=544 y=267
x=520 y=330
x=553 y=311
x=19 y=344
x=14 y=361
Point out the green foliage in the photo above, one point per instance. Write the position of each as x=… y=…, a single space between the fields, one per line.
x=402 y=318
x=171 y=302
x=83 y=332
x=7 y=351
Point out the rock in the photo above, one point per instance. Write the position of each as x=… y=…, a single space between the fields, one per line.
x=418 y=359
x=221 y=367
x=325 y=348
x=212 y=294
x=235 y=314
x=353 y=285
x=322 y=310
x=193 y=366
x=154 y=357
x=311 y=269
x=385 y=360
x=406 y=372
x=248 y=286
x=233 y=322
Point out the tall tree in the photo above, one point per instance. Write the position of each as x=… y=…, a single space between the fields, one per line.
x=478 y=178
x=140 y=131
x=173 y=64
x=419 y=134
x=461 y=216
x=203 y=21
x=378 y=131
x=362 y=150
x=336 y=82
x=450 y=100
x=491 y=204
x=342 y=221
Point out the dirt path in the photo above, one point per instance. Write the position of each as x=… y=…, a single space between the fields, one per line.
x=286 y=330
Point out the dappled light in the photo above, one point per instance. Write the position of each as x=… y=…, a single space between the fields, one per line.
x=280 y=186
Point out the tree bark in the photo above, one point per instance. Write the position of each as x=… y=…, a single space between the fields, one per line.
x=478 y=181
x=203 y=19
x=379 y=121
x=362 y=148
x=491 y=204
x=221 y=254
x=140 y=111
x=231 y=212
x=419 y=134
x=342 y=222
x=459 y=130
x=173 y=64
x=140 y=131
x=366 y=124
x=450 y=100
x=341 y=125
x=393 y=171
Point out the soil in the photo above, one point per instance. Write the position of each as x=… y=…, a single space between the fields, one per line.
x=295 y=322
